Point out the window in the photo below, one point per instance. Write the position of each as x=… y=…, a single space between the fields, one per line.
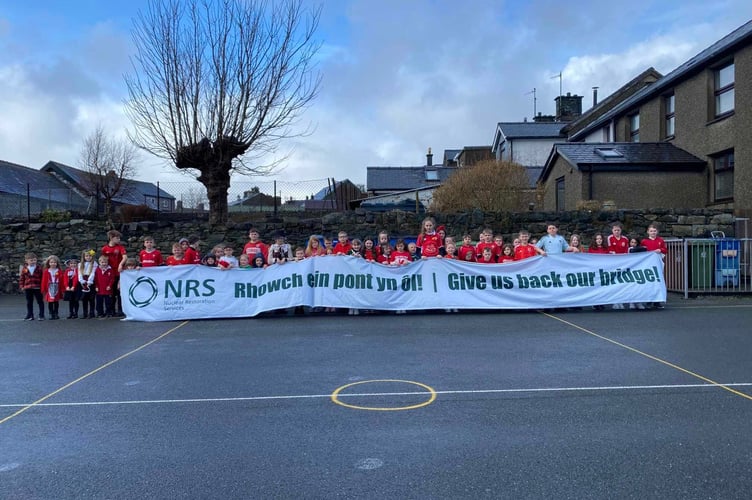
x=560 y=194
x=608 y=153
x=723 y=176
x=669 y=103
x=634 y=127
x=724 y=90
x=432 y=175
x=606 y=134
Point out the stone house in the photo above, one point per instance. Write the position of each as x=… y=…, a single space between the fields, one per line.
x=703 y=108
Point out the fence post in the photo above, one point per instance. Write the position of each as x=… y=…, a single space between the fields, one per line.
x=685 y=265
x=158 y=203
x=274 y=197
x=28 y=203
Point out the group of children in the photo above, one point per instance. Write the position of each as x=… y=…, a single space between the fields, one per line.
x=94 y=282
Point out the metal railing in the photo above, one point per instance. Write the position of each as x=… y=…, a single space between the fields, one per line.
x=708 y=265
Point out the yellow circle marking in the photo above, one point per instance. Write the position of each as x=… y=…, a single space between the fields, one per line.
x=336 y=393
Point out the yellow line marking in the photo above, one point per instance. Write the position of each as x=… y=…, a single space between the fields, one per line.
x=82 y=377
x=650 y=356
x=431 y=399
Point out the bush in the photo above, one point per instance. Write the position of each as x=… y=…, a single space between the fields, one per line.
x=51 y=215
x=136 y=213
x=491 y=186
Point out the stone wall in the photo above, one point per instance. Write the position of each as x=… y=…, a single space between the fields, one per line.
x=67 y=239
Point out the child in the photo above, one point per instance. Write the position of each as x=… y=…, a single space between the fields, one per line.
x=30 y=281
x=498 y=241
x=115 y=253
x=574 y=242
x=357 y=248
x=429 y=240
x=616 y=242
x=258 y=262
x=314 y=248
x=255 y=246
x=486 y=240
x=86 y=272
x=525 y=249
x=400 y=256
x=70 y=287
x=385 y=256
x=279 y=251
x=414 y=251
x=654 y=243
x=507 y=254
x=450 y=250
x=228 y=260
x=191 y=255
x=553 y=242
x=368 y=253
x=487 y=257
x=150 y=256
x=52 y=290
x=210 y=260
x=104 y=282
x=244 y=261
x=466 y=247
x=598 y=245
x=299 y=254
x=635 y=247
x=328 y=245
x=176 y=259
x=343 y=246
x=383 y=241
x=129 y=264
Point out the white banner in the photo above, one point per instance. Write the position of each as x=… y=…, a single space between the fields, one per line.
x=567 y=280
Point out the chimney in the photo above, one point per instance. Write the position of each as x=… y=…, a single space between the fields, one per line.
x=595 y=96
x=429 y=158
x=568 y=107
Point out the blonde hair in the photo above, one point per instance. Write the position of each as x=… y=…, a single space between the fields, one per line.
x=51 y=258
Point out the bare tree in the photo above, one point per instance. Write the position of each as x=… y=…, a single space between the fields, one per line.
x=110 y=165
x=490 y=185
x=218 y=83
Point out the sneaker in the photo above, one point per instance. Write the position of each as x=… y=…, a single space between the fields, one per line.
x=640 y=305
x=632 y=305
x=660 y=305
x=29 y=318
x=617 y=306
x=41 y=318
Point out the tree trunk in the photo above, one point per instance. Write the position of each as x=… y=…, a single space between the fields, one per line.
x=217 y=183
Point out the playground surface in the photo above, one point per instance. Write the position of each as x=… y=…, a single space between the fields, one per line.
x=572 y=404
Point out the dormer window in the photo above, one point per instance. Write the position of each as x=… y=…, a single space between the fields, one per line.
x=432 y=175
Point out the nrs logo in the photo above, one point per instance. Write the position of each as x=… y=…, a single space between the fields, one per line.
x=143 y=292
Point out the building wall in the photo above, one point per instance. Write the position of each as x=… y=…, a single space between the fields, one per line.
x=698 y=132
x=529 y=152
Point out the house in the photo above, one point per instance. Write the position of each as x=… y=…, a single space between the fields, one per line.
x=526 y=143
x=629 y=174
x=703 y=107
x=388 y=180
x=336 y=196
x=133 y=192
x=253 y=200
x=24 y=190
x=470 y=155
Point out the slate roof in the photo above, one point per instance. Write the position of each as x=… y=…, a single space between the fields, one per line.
x=404 y=178
x=531 y=130
x=15 y=178
x=651 y=156
x=133 y=195
x=718 y=50
x=451 y=155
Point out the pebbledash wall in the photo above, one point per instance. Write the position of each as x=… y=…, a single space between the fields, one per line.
x=68 y=239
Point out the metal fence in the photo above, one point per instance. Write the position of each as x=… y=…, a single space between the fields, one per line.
x=36 y=201
x=709 y=265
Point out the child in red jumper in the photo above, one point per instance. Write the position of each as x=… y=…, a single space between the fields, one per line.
x=70 y=287
x=30 y=281
x=104 y=282
x=52 y=289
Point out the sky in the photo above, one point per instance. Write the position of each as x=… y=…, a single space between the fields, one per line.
x=398 y=76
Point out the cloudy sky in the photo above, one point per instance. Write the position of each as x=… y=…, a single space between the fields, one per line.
x=397 y=76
